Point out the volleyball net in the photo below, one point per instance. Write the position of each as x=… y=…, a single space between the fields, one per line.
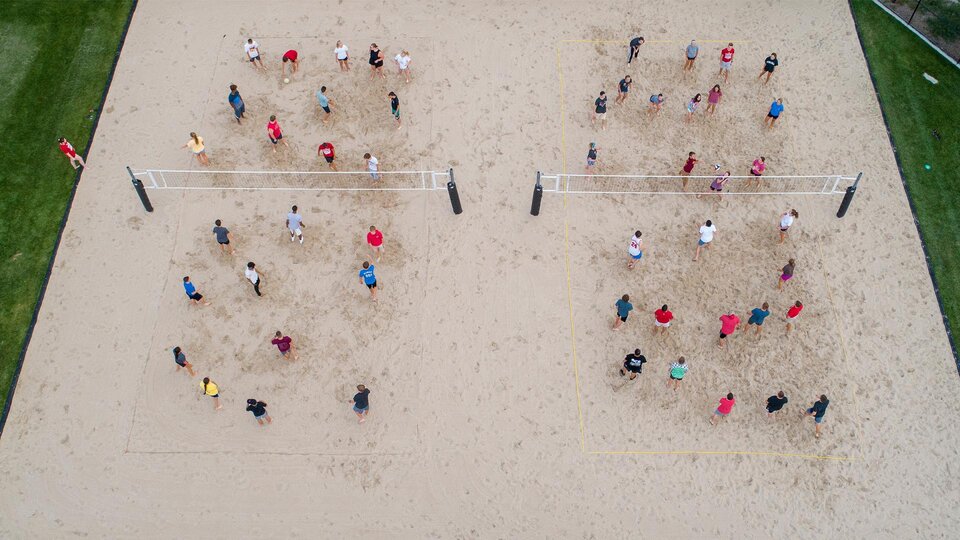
x=833 y=184
x=201 y=179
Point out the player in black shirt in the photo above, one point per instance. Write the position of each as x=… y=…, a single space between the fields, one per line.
x=634 y=364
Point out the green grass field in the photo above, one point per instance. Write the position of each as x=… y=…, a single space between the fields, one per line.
x=914 y=108
x=57 y=57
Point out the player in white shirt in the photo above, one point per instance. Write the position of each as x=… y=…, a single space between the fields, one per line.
x=373 y=165
x=635 y=249
x=707 y=231
x=295 y=224
x=343 y=56
x=252 y=48
x=403 y=64
x=786 y=220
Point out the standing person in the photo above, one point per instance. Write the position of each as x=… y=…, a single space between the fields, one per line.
x=252 y=48
x=656 y=103
x=600 y=111
x=341 y=51
x=235 y=101
x=222 y=234
x=195 y=144
x=329 y=154
x=368 y=278
x=395 y=107
x=361 y=402
x=693 y=105
x=692 y=50
x=718 y=184
x=324 y=103
x=76 y=160
x=726 y=61
x=707 y=231
x=274 y=132
x=792 y=315
x=661 y=319
x=728 y=325
x=775 y=403
x=376 y=62
x=259 y=410
x=403 y=64
x=592 y=157
x=181 y=361
x=634 y=364
x=776 y=109
x=634 y=50
x=211 y=389
x=726 y=405
x=290 y=56
x=769 y=65
x=295 y=224
x=285 y=346
x=624 y=307
x=786 y=221
x=757 y=316
x=713 y=98
x=375 y=241
x=253 y=276
x=817 y=410
x=756 y=170
x=678 y=370
x=786 y=273
x=373 y=165
x=688 y=168
x=635 y=249
x=192 y=294
x=623 y=88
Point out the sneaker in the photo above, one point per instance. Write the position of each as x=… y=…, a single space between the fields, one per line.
x=301 y=241
x=292 y=238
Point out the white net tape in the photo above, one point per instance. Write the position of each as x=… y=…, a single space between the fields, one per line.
x=293 y=180
x=692 y=185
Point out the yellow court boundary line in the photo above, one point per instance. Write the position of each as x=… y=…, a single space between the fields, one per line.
x=573 y=336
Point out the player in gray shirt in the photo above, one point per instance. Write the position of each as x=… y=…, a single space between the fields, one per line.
x=223 y=237
x=295 y=224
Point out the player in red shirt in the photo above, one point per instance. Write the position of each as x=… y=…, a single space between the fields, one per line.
x=375 y=241
x=326 y=150
x=662 y=318
x=792 y=315
x=274 y=132
x=723 y=409
x=726 y=61
x=68 y=151
x=289 y=56
x=728 y=325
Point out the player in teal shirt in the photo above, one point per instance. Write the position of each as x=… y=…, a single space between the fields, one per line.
x=757 y=315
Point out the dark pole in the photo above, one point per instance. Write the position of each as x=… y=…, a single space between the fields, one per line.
x=847 y=197
x=915 y=8
x=537 y=197
x=454 y=195
x=138 y=186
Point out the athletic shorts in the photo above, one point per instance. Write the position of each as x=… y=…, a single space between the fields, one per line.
x=296 y=231
x=254 y=58
x=702 y=243
x=789 y=318
x=726 y=65
x=215 y=395
x=358 y=410
x=717 y=189
x=768 y=69
x=261 y=417
x=275 y=141
x=624 y=318
x=371 y=285
x=783 y=230
x=817 y=419
x=675 y=378
x=181 y=363
x=755 y=173
x=772 y=116
x=396 y=113
x=752 y=320
x=661 y=324
x=602 y=115
x=238 y=111
x=329 y=159
x=591 y=162
x=632 y=369
x=326 y=109
x=723 y=336
x=718 y=413
x=224 y=243
x=196 y=296
x=637 y=257
x=784 y=277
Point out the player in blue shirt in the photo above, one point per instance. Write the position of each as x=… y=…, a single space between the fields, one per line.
x=368 y=278
x=192 y=294
x=624 y=307
x=757 y=315
x=776 y=108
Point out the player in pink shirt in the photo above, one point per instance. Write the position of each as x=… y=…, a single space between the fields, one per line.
x=375 y=241
x=756 y=171
x=274 y=132
x=723 y=409
x=728 y=325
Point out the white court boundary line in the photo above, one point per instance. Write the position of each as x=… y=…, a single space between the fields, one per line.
x=561 y=184
x=155 y=179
